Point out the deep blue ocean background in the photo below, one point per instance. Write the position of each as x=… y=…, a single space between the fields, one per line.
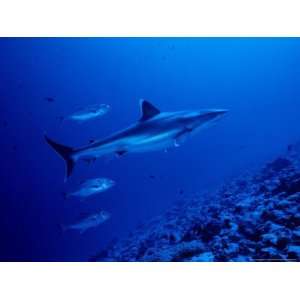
x=257 y=79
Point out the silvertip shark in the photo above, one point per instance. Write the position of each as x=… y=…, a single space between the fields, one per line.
x=155 y=130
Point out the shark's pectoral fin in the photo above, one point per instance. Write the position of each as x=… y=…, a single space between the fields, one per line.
x=182 y=136
x=121 y=152
x=178 y=143
x=148 y=110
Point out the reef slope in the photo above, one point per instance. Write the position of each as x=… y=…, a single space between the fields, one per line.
x=253 y=218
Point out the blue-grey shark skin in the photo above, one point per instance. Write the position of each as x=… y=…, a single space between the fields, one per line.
x=154 y=131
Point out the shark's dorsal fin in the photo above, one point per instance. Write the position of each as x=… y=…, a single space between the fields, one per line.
x=148 y=110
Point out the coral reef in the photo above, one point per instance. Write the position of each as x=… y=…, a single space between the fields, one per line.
x=254 y=218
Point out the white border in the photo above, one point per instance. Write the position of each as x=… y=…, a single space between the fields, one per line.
x=149 y=18
x=149 y=281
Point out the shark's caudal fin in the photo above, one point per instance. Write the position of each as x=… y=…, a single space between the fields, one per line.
x=148 y=110
x=65 y=152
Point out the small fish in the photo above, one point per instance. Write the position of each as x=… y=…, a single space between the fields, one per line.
x=49 y=99
x=90 y=112
x=88 y=222
x=152 y=177
x=91 y=187
x=181 y=191
x=5 y=123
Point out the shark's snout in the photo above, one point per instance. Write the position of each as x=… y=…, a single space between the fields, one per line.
x=214 y=114
x=222 y=112
x=219 y=112
x=207 y=116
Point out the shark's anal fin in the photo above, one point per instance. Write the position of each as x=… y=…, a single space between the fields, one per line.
x=148 y=110
x=121 y=152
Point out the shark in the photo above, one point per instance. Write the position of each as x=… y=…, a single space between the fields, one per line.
x=155 y=130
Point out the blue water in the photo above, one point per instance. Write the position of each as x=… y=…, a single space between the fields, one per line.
x=257 y=79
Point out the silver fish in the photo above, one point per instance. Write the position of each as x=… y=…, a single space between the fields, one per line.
x=90 y=112
x=91 y=187
x=89 y=222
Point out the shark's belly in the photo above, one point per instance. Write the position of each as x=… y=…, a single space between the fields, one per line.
x=150 y=143
x=134 y=143
x=96 y=152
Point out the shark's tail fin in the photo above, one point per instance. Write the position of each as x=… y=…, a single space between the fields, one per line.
x=66 y=153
